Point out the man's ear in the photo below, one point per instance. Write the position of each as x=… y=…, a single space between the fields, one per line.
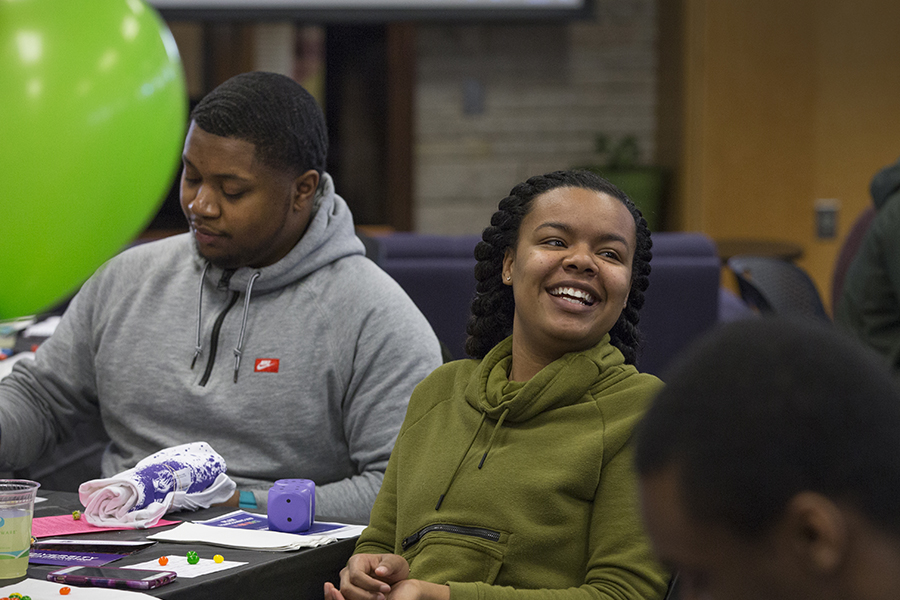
x=817 y=530
x=304 y=188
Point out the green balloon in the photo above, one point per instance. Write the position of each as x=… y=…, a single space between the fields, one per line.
x=93 y=109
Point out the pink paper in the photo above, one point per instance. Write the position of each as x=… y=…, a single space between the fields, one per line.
x=66 y=525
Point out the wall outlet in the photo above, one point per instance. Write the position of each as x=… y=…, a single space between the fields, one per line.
x=827 y=218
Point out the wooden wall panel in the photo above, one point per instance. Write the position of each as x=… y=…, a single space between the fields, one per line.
x=785 y=103
x=858 y=111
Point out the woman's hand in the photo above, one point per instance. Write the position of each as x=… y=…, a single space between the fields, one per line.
x=407 y=589
x=369 y=577
x=416 y=589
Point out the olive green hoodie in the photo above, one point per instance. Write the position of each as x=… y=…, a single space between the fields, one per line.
x=496 y=487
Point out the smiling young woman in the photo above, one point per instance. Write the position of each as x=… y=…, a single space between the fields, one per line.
x=494 y=307
x=570 y=272
x=512 y=472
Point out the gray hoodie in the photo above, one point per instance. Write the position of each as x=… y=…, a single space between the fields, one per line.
x=302 y=369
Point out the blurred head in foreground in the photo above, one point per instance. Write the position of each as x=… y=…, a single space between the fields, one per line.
x=770 y=466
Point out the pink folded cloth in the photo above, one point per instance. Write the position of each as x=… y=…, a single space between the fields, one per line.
x=189 y=476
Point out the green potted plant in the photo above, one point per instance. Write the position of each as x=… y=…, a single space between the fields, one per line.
x=644 y=184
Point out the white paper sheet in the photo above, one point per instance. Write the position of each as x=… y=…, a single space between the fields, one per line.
x=242 y=519
x=186 y=570
x=273 y=541
x=43 y=329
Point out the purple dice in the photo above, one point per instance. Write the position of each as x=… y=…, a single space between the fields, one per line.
x=292 y=505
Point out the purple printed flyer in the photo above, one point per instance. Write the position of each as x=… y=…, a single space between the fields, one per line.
x=241 y=519
x=75 y=552
x=70 y=559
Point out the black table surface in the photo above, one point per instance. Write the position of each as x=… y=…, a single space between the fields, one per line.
x=299 y=574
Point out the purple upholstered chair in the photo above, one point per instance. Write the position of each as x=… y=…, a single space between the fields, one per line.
x=438 y=273
x=683 y=300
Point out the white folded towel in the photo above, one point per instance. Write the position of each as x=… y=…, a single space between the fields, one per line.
x=189 y=476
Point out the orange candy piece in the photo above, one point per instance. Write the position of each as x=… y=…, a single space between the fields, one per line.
x=163 y=560
x=65 y=590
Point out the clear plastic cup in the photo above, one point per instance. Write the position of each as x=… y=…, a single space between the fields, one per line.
x=16 y=510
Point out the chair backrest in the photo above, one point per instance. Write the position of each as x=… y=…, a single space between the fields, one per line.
x=774 y=285
x=682 y=301
x=848 y=251
x=438 y=273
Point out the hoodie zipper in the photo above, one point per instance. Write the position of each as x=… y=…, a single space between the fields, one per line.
x=479 y=532
x=214 y=340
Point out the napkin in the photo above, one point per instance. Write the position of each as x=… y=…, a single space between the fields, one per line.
x=189 y=476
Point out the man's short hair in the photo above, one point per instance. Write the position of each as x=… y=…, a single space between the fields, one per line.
x=274 y=113
x=763 y=409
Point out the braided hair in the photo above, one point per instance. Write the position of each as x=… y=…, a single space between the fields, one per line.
x=274 y=113
x=491 y=316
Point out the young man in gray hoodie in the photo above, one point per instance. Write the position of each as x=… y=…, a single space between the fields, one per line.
x=264 y=331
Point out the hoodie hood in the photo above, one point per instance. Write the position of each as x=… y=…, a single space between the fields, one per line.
x=329 y=236
x=562 y=382
x=885 y=185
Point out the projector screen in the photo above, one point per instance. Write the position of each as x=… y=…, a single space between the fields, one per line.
x=372 y=10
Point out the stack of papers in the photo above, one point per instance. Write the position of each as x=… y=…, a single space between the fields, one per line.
x=241 y=519
x=242 y=529
x=228 y=537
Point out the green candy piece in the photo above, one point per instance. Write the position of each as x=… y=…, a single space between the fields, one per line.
x=192 y=558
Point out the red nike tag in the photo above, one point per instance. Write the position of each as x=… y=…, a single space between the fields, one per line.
x=266 y=365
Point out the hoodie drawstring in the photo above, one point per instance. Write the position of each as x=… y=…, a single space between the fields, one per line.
x=493 y=435
x=461 y=459
x=199 y=347
x=469 y=447
x=240 y=343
